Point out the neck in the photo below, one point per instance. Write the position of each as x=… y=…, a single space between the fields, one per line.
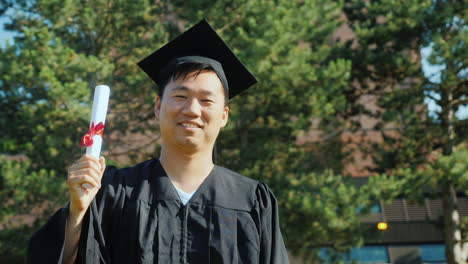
x=187 y=171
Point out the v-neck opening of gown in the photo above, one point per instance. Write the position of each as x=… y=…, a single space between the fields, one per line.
x=185 y=197
x=195 y=193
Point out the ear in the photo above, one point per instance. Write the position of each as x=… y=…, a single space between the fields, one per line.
x=157 y=106
x=225 y=116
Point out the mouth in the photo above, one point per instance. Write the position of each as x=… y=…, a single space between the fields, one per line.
x=189 y=125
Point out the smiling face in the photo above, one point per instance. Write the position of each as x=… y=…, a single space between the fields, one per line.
x=192 y=111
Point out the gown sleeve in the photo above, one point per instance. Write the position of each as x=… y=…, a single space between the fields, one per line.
x=47 y=244
x=272 y=248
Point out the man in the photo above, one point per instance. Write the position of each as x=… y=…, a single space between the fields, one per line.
x=181 y=208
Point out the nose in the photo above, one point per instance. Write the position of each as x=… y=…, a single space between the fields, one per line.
x=192 y=107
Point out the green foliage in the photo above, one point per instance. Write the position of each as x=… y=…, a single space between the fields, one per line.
x=389 y=36
x=384 y=50
x=62 y=50
x=288 y=45
x=14 y=242
x=44 y=97
x=65 y=48
x=326 y=206
x=386 y=62
x=415 y=183
x=28 y=197
x=388 y=32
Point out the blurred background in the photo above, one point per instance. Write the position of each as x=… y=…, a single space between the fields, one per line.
x=359 y=122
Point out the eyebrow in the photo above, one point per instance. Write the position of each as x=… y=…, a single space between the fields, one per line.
x=179 y=88
x=185 y=89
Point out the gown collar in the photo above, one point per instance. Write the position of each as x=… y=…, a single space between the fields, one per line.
x=165 y=189
x=221 y=188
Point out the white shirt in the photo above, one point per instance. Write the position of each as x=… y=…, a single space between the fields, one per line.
x=184 y=197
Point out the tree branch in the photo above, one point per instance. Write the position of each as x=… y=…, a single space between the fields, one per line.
x=458 y=102
x=432 y=98
x=461 y=85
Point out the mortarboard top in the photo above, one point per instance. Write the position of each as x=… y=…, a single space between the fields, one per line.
x=200 y=40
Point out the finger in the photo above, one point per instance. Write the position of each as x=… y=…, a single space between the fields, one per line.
x=86 y=186
x=87 y=172
x=102 y=162
x=89 y=157
x=74 y=164
x=96 y=162
x=85 y=159
x=91 y=172
x=81 y=179
x=85 y=165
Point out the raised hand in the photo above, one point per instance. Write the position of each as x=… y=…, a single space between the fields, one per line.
x=84 y=181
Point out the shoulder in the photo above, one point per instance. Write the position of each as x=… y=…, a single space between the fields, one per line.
x=131 y=170
x=232 y=177
x=127 y=176
x=240 y=192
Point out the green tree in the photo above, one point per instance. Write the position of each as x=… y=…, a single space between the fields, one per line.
x=65 y=48
x=28 y=196
x=62 y=49
x=447 y=36
x=289 y=46
x=389 y=36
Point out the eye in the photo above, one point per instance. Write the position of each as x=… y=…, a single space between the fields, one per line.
x=207 y=101
x=180 y=96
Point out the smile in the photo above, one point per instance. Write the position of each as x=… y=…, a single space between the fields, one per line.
x=189 y=125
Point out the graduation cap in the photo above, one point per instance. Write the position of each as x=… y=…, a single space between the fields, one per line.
x=199 y=44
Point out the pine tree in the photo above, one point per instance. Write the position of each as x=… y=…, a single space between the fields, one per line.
x=390 y=35
x=290 y=47
x=65 y=48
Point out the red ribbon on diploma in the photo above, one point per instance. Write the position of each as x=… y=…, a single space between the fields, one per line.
x=87 y=138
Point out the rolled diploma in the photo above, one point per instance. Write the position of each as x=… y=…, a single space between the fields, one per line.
x=98 y=114
x=100 y=102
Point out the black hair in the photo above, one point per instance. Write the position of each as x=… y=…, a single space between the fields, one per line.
x=182 y=71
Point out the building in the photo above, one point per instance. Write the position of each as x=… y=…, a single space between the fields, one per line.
x=413 y=233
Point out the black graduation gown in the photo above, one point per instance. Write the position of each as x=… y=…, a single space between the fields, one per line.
x=137 y=217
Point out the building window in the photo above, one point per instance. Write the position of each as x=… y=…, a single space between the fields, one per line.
x=370 y=254
x=375 y=208
x=433 y=253
x=366 y=254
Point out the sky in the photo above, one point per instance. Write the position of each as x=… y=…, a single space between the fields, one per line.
x=5 y=35
x=430 y=71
